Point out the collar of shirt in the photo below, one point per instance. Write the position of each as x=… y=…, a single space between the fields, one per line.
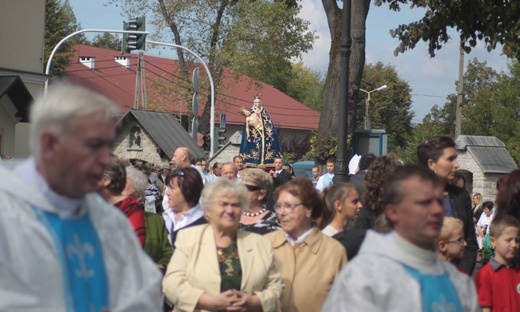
x=278 y=171
x=300 y=238
x=65 y=207
x=495 y=265
x=185 y=219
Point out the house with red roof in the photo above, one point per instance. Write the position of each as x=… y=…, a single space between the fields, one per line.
x=114 y=75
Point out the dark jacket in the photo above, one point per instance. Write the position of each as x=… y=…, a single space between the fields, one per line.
x=358 y=180
x=461 y=207
x=366 y=219
x=282 y=178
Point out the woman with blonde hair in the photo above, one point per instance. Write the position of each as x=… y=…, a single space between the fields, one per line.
x=477 y=206
x=257 y=218
x=343 y=203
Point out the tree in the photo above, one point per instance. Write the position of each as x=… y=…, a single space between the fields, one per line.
x=306 y=86
x=389 y=109
x=495 y=22
x=107 y=41
x=328 y=125
x=60 y=21
x=491 y=107
x=245 y=36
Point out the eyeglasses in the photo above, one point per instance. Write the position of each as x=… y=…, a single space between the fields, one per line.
x=289 y=207
x=252 y=188
x=459 y=241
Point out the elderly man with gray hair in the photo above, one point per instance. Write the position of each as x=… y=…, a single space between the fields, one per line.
x=64 y=248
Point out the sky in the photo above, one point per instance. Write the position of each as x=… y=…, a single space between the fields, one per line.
x=431 y=79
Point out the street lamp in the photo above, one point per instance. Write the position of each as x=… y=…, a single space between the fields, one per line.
x=367 y=116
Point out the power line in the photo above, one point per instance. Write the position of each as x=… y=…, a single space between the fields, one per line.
x=428 y=95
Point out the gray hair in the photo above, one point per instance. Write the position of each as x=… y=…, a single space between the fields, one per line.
x=57 y=109
x=139 y=180
x=223 y=186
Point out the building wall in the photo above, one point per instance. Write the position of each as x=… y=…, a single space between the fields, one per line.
x=147 y=151
x=484 y=184
x=7 y=133
x=226 y=155
x=22 y=24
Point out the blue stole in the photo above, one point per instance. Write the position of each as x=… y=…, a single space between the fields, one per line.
x=327 y=180
x=85 y=284
x=437 y=291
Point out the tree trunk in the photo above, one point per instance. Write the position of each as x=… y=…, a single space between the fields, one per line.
x=328 y=125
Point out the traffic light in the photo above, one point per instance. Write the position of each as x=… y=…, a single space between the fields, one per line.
x=134 y=41
x=206 y=143
x=221 y=137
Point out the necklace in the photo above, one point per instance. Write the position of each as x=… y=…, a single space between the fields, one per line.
x=256 y=214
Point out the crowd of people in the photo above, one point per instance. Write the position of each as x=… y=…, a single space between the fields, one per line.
x=83 y=230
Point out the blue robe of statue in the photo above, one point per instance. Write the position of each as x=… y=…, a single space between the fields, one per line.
x=261 y=147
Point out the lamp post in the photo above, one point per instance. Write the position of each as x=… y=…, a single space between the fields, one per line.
x=367 y=115
x=340 y=170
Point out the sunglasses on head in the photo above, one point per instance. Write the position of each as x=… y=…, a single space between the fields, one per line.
x=252 y=188
x=178 y=172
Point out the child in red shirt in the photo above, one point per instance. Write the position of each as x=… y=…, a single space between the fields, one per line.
x=451 y=241
x=498 y=282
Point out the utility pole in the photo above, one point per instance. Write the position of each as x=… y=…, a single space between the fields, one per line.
x=458 y=114
x=140 y=83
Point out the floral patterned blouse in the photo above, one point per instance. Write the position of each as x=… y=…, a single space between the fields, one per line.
x=230 y=268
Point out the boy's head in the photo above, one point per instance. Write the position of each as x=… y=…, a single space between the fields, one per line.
x=487 y=207
x=504 y=235
x=330 y=165
x=451 y=242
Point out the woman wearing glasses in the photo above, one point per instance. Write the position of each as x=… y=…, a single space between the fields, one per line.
x=258 y=219
x=308 y=260
x=216 y=266
x=184 y=189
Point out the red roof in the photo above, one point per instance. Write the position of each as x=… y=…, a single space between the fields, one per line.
x=118 y=83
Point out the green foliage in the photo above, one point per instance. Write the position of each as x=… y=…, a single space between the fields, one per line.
x=389 y=109
x=306 y=86
x=107 y=41
x=288 y=158
x=495 y=22
x=324 y=147
x=60 y=21
x=491 y=106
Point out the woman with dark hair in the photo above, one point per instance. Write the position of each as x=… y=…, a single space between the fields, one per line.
x=375 y=180
x=184 y=189
x=111 y=188
x=508 y=196
x=308 y=260
x=257 y=218
x=440 y=156
x=343 y=203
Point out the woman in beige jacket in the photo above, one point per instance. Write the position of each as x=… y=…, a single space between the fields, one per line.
x=308 y=260
x=218 y=267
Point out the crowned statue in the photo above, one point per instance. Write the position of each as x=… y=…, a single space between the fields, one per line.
x=260 y=145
